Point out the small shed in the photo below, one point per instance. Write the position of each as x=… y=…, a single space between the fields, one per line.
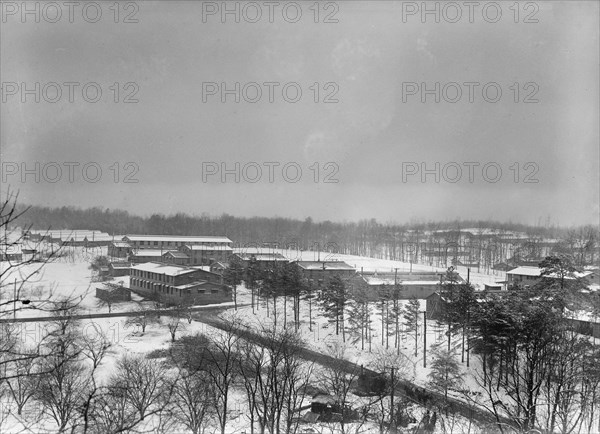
x=118 y=269
x=113 y=293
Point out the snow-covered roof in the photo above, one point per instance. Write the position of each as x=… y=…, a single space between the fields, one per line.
x=178 y=238
x=390 y=280
x=200 y=247
x=419 y=282
x=179 y=255
x=537 y=272
x=150 y=252
x=262 y=256
x=526 y=271
x=191 y=285
x=120 y=265
x=325 y=265
x=166 y=269
x=121 y=244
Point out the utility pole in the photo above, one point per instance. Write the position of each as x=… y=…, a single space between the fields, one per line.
x=15 y=300
x=468 y=341
x=392 y=422
x=425 y=339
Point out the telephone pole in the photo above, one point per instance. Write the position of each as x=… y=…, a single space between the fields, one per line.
x=425 y=339
x=392 y=421
x=15 y=300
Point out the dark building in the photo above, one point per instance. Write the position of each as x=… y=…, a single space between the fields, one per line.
x=113 y=293
x=119 y=249
x=175 y=242
x=262 y=260
x=118 y=269
x=177 y=284
x=324 y=270
x=206 y=254
x=177 y=258
x=147 y=255
x=418 y=284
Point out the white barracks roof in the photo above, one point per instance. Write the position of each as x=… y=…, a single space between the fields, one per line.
x=178 y=238
x=526 y=271
x=324 y=265
x=166 y=269
x=208 y=248
x=536 y=272
x=150 y=252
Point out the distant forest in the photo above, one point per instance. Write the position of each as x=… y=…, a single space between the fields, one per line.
x=362 y=237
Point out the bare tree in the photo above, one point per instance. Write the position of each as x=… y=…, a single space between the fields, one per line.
x=143 y=318
x=142 y=383
x=193 y=400
x=16 y=275
x=251 y=368
x=21 y=382
x=275 y=379
x=173 y=322
x=215 y=355
x=392 y=369
x=93 y=350
x=62 y=389
x=338 y=378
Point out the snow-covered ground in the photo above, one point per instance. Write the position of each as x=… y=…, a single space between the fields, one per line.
x=72 y=277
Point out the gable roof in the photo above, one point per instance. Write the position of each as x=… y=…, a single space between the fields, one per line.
x=178 y=238
x=262 y=256
x=174 y=254
x=537 y=272
x=166 y=269
x=325 y=265
x=195 y=247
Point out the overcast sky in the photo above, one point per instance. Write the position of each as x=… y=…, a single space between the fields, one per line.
x=376 y=136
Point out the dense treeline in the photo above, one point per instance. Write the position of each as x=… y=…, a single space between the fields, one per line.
x=366 y=237
x=534 y=370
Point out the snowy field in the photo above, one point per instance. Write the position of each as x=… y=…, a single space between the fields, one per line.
x=72 y=277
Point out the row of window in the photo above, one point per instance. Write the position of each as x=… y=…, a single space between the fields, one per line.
x=178 y=243
x=152 y=276
x=520 y=278
x=164 y=289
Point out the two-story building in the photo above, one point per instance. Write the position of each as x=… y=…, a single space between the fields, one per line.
x=178 y=284
x=147 y=255
x=419 y=285
x=175 y=242
x=262 y=260
x=175 y=257
x=324 y=270
x=206 y=254
x=119 y=249
x=525 y=276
